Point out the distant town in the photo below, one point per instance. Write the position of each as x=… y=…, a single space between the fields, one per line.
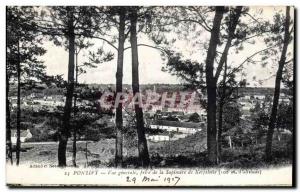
x=167 y=123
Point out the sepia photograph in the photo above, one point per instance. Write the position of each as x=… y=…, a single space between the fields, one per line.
x=148 y=96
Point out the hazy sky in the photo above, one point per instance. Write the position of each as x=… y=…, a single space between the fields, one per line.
x=56 y=61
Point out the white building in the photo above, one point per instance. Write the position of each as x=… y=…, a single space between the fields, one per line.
x=157 y=138
x=175 y=126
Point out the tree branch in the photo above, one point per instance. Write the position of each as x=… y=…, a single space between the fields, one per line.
x=256 y=35
x=208 y=28
x=289 y=61
x=103 y=39
x=183 y=20
x=247 y=59
x=252 y=17
x=145 y=45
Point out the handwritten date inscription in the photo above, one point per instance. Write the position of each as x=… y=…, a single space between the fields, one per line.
x=158 y=179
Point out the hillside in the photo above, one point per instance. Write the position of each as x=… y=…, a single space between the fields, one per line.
x=191 y=144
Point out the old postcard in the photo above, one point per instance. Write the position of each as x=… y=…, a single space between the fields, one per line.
x=192 y=96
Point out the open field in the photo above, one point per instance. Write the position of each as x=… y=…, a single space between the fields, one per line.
x=188 y=152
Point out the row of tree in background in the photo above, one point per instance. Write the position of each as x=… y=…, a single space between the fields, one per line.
x=229 y=30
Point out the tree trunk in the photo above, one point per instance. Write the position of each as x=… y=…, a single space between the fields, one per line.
x=8 y=128
x=142 y=142
x=64 y=131
x=220 y=124
x=212 y=147
x=119 y=89
x=234 y=19
x=273 y=117
x=86 y=148
x=18 y=145
x=74 y=148
x=74 y=112
x=221 y=105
